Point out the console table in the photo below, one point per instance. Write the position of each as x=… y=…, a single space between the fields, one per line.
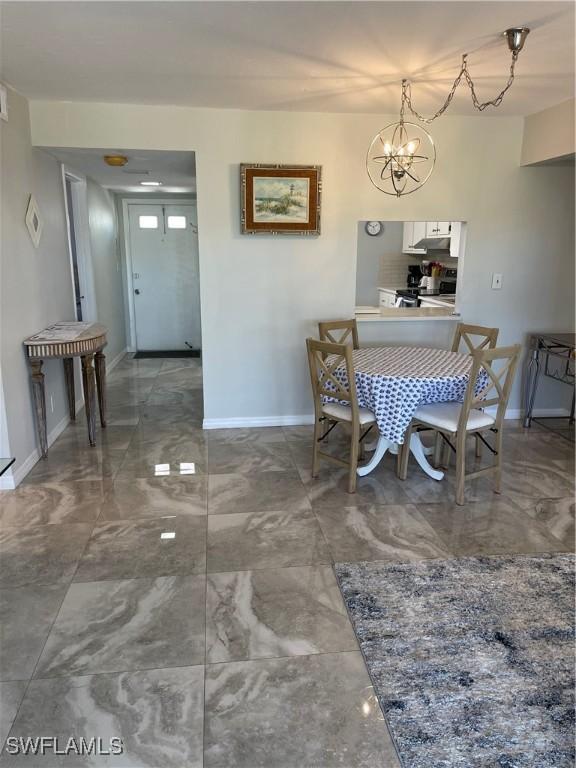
x=67 y=340
x=548 y=346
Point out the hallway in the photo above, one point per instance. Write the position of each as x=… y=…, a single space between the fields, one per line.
x=173 y=587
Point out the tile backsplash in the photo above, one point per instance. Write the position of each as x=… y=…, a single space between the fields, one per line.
x=394 y=269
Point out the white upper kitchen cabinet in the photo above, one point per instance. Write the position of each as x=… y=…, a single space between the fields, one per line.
x=438 y=228
x=414 y=231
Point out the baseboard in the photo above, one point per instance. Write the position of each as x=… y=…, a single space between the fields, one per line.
x=257 y=421
x=246 y=422
x=120 y=356
x=9 y=482
x=518 y=413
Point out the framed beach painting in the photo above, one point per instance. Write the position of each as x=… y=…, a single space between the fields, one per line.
x=280 y=199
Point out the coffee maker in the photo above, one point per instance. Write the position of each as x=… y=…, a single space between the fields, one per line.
x=414 y=275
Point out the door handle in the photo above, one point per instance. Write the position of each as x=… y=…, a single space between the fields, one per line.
x=137 y=291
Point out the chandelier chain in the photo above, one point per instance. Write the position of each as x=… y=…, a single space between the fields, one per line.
x=464 y=73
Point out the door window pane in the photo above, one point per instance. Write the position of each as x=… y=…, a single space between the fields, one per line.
x=148 y=222
x=176 y=222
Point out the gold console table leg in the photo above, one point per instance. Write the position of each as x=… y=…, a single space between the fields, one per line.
x=89 y=396
x=100 y=365
x=69 y=378
x=39 y=398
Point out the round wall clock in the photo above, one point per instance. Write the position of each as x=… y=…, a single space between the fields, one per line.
x=373 y=228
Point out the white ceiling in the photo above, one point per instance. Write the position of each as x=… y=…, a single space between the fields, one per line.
x=306 y=56
x=176 y=170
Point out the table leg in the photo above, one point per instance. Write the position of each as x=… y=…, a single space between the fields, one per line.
x=100 y=365
x=530 y=385
x=418 y=450
x=89 y=396
x=382 y=446
x=69 y=378
x=394 y=448
x=39 y=398
x=416 y=447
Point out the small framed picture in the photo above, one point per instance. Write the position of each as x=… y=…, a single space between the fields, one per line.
x=3 y=102
x=34 y=221
x=280 y=199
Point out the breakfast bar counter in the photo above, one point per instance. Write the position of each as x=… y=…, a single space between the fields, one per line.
x=421 y=327
x=403 y=314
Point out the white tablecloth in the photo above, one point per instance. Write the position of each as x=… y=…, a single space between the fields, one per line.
x=393 y=381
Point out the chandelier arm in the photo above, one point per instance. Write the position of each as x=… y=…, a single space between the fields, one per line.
x=480 y=106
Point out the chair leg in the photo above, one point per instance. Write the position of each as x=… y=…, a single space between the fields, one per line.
x=498 y=464
x=460 y=467
x=354 y=448
x=438 y=444
x=318 y=427
x=446 y=450
x=478 y=447
x=404 y=453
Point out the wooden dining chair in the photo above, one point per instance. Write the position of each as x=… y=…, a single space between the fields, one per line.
x=486 y=337
x=456 y=421
x=324 y=358
x=474 y=337
x=348 y=332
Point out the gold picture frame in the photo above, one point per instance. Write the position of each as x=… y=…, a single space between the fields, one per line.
x=280 y=199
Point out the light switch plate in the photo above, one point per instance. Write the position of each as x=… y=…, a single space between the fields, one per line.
x=496 y=281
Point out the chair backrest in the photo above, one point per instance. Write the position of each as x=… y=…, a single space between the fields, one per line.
x=487 y=337
x=324 y=358
x=339 y=332
x=496 y=391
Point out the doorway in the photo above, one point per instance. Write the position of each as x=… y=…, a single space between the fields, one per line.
x=76 y=207
x=163 y=276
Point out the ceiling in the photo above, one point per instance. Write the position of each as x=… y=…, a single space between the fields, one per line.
x=304 y=56
x=176 y=170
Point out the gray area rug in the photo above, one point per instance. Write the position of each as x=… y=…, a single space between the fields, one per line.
x=472 y=659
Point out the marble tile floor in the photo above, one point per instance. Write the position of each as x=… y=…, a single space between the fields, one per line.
x=174 y=587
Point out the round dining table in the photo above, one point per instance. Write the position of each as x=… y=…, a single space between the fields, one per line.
x=393 y=382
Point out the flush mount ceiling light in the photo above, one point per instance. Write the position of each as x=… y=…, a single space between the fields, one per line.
x=116 y=161
x=402 y=156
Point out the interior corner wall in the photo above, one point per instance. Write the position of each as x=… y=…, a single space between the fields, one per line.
x=107 y=267
x=549 y=135
x=261 y=296
x=35 y=283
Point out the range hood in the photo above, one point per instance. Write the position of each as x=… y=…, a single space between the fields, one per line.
x=434 y=243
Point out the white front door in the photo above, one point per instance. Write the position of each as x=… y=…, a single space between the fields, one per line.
x=165 y=276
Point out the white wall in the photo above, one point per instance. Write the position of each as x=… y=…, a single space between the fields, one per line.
x=35 y=284
x=549 y=135
x=261 y=296
x=107 y=267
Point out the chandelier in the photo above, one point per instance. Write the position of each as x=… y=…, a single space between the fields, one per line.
x=402 y=155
